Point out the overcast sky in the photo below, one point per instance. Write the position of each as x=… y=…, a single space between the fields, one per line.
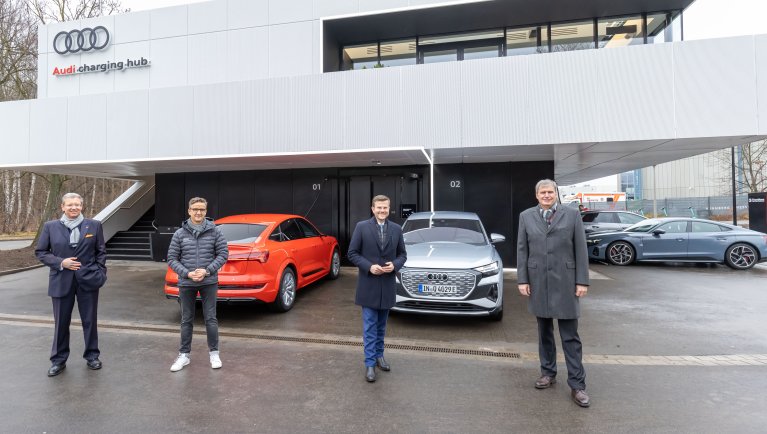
x=704 y=19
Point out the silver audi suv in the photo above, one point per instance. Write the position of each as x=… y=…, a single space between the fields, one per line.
x=452 y=267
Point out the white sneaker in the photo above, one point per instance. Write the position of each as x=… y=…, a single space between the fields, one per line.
x=215 y=360
x=181 y=361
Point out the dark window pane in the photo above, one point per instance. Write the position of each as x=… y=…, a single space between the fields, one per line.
x=241 y=232
x=290 y=230
x=620 y=31
x=484 y=52
x=705 y=227
x=307 y=228
x=525 y=40
x=629 y=219
x=398 y=53
x=572 y=36
x=440 y=56
x=676 y=227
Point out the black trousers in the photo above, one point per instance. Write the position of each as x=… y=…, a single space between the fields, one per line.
x=571 y=346
x=87 y=305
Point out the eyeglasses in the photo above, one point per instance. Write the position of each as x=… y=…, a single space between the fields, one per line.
x=197 y=209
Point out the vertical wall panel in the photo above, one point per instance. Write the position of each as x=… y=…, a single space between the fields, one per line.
x=134 y=78
x=247 y=13
x=281 y=11
x=247 y=54
x=172 y=71
x=48 y=130
x=760 y=42
x=169 y=204
x=170 y=122
x=431 y=105
x=168 y=22
x=87 y=128
x=329 y=8
x=207 y=58
x=715 y=98
x=562 y=91
x=132 y=27
x=375 y=5
x=290 y=49
x=14 y=124
x=205 y=185
x=495 y=106
x=206 y=17
x=372 y=108
x=265 y=115
x=128 y=125
x=636 y=96
x=217 y=123
x=316 y=121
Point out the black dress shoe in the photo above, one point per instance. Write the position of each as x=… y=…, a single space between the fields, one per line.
x=383 y=364
x=544 y=382
x=56 y=369
x=94 y=364
x=370 y=374
x=581 y=397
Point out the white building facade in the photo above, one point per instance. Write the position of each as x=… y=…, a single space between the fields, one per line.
x=311 y=106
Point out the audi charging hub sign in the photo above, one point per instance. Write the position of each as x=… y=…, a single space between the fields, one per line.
x=89 y=40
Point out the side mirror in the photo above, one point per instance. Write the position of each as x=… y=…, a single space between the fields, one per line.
x=658 y=232
x=497 y=238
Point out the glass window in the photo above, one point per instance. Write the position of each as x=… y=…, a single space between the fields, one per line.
x=290 y=230
x=307 y=228
x=527 y=40
x=398 y=53
x=620 y=31
x=445 y=230
x=461 y=37
x=241 y=232
x=664 y=27
x=675 y=227
x=572 y=36
x=440 y=56
x=482 y=52
x=705 y=227
x=360 y=56
x=629 y=219
x=606 y=217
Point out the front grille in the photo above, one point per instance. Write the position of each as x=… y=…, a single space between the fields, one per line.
x=431 y=306
x=466 y=281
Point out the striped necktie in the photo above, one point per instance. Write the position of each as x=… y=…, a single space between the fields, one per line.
x=547 y=214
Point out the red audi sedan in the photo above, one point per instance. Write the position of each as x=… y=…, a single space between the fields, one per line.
x=271 y=256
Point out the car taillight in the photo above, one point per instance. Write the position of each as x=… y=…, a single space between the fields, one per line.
x=254 y=255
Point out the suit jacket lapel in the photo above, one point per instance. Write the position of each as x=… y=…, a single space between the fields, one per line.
x=539 y=221
x=385 y=240
x=374 y=232
x=555 y=220
x=83 y=230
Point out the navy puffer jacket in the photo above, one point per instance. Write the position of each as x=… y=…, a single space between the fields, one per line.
x=189 y=251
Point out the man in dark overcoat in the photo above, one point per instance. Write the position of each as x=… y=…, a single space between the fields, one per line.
x=553 y=271
x=377 y=248
x=74 y=249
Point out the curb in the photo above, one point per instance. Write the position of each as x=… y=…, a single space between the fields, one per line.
x=19 y=270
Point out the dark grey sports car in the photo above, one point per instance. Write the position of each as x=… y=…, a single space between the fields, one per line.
x=679 y=239
x=452 y=267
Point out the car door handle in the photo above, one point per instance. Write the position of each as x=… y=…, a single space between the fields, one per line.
x=680 y=239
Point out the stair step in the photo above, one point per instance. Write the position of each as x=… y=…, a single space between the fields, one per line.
x=129 y=257
x=126 y=245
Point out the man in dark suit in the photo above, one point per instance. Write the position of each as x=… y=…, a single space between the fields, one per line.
x=74 y=249
x=553 y=271
x=377 y=248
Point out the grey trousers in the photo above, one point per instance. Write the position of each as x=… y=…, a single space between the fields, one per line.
x=571 y=346
x=188 y=296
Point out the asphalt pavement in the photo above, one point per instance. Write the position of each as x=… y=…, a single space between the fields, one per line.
x=668 y=348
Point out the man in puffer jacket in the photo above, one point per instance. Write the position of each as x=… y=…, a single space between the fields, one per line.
x=197 y=251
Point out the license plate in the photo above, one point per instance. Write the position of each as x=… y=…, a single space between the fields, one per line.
x=438 y=289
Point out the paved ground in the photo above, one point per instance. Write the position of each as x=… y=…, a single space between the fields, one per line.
x=668 y=349
x=14 y=244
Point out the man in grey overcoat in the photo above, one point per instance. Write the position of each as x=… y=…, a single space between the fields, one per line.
x=553 y=272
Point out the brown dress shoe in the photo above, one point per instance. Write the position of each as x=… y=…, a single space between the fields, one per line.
x=580 y=397
x=545 y=382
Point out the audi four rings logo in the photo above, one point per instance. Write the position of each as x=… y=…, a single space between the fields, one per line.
x=437 y=276
x=84 y=40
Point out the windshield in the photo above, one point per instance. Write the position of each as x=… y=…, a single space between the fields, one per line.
x=241 y=232
x=643 y=226
x=444 y=229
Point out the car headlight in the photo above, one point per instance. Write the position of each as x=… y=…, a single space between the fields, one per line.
x=490 y=269
x=593 y=241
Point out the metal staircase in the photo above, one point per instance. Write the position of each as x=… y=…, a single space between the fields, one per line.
x=134 y=243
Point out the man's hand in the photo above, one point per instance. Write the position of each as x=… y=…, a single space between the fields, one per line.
x=388 y=267
x=581 y=290
x=70 y=264
x=197 y=275
x=524 y=289
x=376 y=269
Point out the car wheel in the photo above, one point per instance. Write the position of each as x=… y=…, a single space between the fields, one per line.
x=335 y=265
x=286 y=296
x=741 y=256
x=620 y=253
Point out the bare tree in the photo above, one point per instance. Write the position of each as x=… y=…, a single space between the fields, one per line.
x=750 y=167
x=67 y=10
